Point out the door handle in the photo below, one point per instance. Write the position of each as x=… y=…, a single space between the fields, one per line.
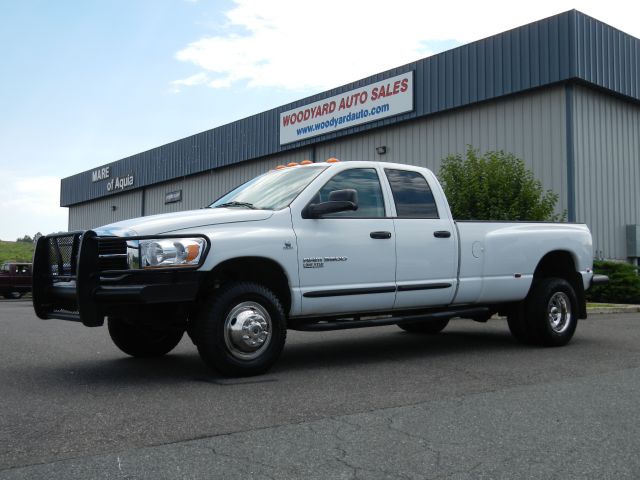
x=380 y=235
x=442 y=234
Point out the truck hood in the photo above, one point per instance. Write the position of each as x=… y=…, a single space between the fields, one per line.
x=171 y=222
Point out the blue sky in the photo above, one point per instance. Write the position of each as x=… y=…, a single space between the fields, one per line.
x=90 y=82
x=87 y=82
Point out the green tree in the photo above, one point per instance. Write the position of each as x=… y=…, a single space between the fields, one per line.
x=495 y=186
x=25 y=239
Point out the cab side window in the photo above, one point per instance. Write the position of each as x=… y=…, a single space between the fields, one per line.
x=365 y=181
x=411 y=194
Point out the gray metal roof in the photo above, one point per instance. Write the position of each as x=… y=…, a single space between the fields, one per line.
x=570 y=46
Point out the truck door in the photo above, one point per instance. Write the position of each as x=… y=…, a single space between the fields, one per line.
x=427 y=258
x=347 y=259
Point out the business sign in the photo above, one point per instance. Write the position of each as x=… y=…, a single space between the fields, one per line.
x=363 y=105
x=112 y=183
x=120 y=183
x=100 y=174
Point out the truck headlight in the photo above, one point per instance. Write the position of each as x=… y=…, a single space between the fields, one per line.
x=171 y=252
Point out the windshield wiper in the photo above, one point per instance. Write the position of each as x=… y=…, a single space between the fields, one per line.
x=236 y=204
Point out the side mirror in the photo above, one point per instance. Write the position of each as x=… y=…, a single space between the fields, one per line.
x=346 y=195
x=339 y=201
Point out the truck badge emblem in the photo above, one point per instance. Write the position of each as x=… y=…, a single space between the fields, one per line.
x=313 y=262
x=318 y=262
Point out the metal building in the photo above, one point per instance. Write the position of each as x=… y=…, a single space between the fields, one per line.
x=562 y=93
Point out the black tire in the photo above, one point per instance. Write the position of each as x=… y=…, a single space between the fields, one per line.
x=550 y=314
x=429 y=327
x=13 y=295
x=241 y=330
x=144 y=338
x=517 y=327
x=517 y=321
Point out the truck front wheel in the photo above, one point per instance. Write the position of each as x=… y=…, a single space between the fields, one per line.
x=143 y=339
x=241 y=329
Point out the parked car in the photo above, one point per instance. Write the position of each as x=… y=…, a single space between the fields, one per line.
x=321 y=246
x=15 y=279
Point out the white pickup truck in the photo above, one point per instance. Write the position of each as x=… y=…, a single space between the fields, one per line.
x=315 y=246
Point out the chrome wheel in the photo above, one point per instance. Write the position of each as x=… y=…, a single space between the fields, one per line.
x=241 y=329
x=559 y=312
x=247 y=330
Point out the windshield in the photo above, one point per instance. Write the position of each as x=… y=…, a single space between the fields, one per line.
x=270 y=191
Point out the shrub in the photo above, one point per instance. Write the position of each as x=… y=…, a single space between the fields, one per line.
x=623 y=286
x=495 y=186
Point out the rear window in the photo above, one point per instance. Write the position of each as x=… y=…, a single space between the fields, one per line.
x=411 y=194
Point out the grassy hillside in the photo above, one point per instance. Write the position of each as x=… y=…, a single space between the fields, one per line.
x=18 y=251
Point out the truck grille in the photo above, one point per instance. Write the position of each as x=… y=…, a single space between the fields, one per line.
x=63 y=255
x=112 y=254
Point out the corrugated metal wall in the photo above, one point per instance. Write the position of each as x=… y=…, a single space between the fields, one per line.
x=606 y=56
x=101 y=212
x=531 y=125
x=607 y=153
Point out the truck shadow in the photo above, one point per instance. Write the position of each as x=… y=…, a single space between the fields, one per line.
x=304 y=353
x=124 y=371
x=349 y=350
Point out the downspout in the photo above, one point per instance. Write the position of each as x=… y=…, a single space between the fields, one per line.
x=571 y=161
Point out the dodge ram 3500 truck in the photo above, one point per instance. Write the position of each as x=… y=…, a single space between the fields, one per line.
x=315 y=246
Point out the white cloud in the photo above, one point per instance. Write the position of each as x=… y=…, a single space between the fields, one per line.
x=221 y=83
x=29 y=205
x=197 y=79
x=297 y=45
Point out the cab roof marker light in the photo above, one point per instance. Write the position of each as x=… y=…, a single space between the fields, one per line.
x=280 y=167
x=332 y=160
x=292 y=164
x=306 y=162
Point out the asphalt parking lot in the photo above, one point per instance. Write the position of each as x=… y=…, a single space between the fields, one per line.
x=363 y=404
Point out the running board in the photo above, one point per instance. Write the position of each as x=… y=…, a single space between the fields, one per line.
x=333 y=324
